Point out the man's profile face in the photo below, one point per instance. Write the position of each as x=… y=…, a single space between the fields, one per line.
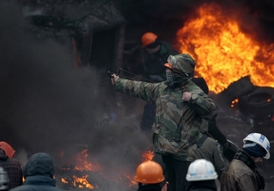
x=257 y=159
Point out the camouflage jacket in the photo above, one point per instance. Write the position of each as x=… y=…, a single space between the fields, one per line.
x=238 y=177
x=177 y=122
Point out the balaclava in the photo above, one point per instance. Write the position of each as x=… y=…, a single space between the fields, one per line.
x=181 y=67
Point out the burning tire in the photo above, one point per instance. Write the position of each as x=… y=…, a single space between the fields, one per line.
x=258 y=104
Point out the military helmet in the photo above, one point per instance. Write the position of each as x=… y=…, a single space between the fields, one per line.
x=182 y=64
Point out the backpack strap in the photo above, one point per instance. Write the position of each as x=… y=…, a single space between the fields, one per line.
x=201 y=141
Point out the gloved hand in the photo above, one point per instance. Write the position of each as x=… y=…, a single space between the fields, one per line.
x=114 y=78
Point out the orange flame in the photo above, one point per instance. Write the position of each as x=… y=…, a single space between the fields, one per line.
x=64 y=180
x=80 y=161
x=223 y=52
x=82 y=182
x=148 y=155
x=83 y=164
x=234 y=102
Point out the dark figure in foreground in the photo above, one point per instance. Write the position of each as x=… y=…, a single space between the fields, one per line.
x=11 y=165
x=38 y=174
x=242 y=174
x=201 y=176
x=149 y=176
x=156 y=54
x=180 y=107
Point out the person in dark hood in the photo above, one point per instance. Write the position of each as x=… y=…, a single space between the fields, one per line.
x=180 y=107
x=38 y=174
x=149 y=175
x=11 y=165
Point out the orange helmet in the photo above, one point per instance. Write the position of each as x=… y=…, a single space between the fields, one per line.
x=7 y=148
x=148 y=38
x=149 y=172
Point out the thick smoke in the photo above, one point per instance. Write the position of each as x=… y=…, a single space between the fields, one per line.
x=47 y=105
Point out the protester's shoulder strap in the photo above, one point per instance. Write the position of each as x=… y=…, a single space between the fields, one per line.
x=201 y=140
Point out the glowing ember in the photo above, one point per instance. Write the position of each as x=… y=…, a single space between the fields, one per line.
x=234 y=102
x=82 y=182
x=64 y=180
x=148 y=155
x=223 y=52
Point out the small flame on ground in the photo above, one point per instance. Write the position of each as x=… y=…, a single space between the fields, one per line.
x=64 y=180
x=80 y=163
x=83 y=164
x=148 y=155
x=82 y=182
x=234 y=102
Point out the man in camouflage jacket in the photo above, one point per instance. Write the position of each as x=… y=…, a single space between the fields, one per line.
x=180 y=107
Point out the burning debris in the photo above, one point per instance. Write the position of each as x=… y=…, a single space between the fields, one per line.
x=223 y=50
x=77 y=172
x=233 y=62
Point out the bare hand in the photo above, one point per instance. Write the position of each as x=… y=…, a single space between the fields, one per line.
x=186 y=96
x=114 y=79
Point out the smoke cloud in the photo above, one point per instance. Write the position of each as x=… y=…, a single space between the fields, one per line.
x=47 y=105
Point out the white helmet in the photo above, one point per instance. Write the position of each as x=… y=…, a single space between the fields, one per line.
x=4 y=179
x=201 y=170
x=260 y=140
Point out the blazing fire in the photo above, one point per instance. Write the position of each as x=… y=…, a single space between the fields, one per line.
x=223 y=52
x=77 y=168
x=80 y=163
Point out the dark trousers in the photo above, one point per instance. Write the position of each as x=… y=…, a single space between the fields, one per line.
x=176 y=171
x=148 y=117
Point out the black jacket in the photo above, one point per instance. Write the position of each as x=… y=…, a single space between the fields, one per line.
x=154 y=69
